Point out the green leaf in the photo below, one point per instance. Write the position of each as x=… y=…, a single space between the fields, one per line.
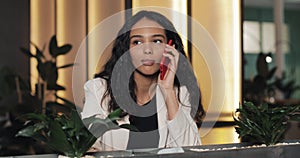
x=271 y=72
x=31 y=131
x=58 y=140
x=65 y=66
x=264 y=107
x=27 y=52
x=295 y=117
x=55 y=50
x=55 y=87
x=52 y=105
x=64 y=49
x=115 y=114
x=264 y=123
x=34 y=117
x=250 y=106
x=39 y=126
x=26 y=132
x=77 y=120
x=130 y=127
x=88 y=141
x=51 y=72
x=87 y=121
x=98 y=128
x=68 y=103
x=39 y=53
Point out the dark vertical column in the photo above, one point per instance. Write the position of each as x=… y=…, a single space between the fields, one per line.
x=242 y=51
x=14 y=31
x=87 y=32
x=189 y=31
x=128 y=7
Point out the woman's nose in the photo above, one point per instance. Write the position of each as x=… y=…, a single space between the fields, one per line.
x=147 y=48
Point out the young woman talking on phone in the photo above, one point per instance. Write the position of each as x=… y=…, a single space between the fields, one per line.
x=149 y=78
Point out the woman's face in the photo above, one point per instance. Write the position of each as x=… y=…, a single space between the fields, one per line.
x=147 y=43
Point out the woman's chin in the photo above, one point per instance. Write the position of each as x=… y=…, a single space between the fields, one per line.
x=148 y=73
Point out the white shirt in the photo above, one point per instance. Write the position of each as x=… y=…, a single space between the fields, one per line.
x=180 y=131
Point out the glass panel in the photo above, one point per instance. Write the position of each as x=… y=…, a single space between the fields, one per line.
x=251 y=37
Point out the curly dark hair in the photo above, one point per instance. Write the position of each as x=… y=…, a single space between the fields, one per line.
x=121 y=46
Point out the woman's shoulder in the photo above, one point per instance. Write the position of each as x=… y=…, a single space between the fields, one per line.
x=94 y=90
x=184 y=93
x=95 y=83
x=183 y=89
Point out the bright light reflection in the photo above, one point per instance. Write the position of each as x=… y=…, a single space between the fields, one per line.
x=237 y=53
x=268 y=59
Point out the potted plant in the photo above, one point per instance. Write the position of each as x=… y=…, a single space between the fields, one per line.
x=264 y=123
x=261 y=87
x=16 y=99
x=264 y=86
x=61 y=128
x=47 y=68
x=68 y=134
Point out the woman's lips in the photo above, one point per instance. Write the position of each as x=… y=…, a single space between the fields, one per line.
x=148 y=62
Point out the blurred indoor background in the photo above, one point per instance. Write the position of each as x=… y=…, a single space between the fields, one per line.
x=240 y=29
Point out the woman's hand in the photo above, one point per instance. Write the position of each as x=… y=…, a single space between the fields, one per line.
x=173 y=55
x=167 y=84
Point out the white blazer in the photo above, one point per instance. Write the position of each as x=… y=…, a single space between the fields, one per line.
x=180 y=131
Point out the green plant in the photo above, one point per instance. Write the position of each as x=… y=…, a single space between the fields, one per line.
x=47 y=68
x=16 y=100
x=286 y=86
x=262 y=85
x=69 y=135
x=264 y=123
x=60 y=127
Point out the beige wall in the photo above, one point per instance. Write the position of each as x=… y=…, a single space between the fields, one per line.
x=99 y=11
x=71 y=21
x=42 y=27
x=221 y=18
x=70 y=28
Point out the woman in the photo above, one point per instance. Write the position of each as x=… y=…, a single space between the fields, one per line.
x=163 y=109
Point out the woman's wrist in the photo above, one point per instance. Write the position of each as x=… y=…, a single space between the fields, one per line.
x=171 y=102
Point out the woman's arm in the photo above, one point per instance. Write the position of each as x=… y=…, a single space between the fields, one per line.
x=115 y=139
x=92 y=106
x=93 y=90
x=182 y=129
x=167 y=84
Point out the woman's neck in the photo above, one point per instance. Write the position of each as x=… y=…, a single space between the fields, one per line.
x=144 y=89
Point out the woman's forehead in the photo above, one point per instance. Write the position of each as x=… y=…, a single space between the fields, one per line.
x=146 y=23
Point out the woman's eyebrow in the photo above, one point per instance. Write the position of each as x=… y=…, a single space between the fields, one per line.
x=136 y=36
x=158 y=35
x=140 y=36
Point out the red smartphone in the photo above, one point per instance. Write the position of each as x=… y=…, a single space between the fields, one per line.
x=164 y=64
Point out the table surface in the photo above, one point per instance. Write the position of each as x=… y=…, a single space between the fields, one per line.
x=283 y=150
x=245 y=150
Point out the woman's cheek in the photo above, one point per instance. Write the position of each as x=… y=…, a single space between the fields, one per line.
x=135 y=59
x=158 y=56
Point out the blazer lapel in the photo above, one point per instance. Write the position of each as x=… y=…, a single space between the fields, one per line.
x=162 y=117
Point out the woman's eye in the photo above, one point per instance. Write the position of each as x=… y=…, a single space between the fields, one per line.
x=157 y=41
x=137 y=42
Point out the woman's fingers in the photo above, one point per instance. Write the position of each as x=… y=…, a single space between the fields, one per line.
x=172 y=54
